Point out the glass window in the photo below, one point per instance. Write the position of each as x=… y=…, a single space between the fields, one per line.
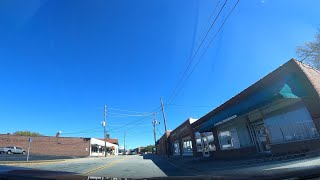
x=187 y=146
x=229 y=139
x=198 y=142
x=94 y=149
x=210 y=138
x=176 y=148
x=289 y=126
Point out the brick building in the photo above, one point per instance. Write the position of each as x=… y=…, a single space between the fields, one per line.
x=276 y=115
x=181 y=139
x=161 y=144
x=59 y=146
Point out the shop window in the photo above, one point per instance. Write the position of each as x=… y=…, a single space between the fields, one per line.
x=229 y=139
x=198 y=142
x=210 y=138
x=206 y=138
x=94 y=149
x=187 y=147
x=176 y=148
x=291 y=126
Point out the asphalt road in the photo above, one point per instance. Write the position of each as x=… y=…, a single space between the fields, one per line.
x=131 y=166
x=146 y=166
x=32 y=157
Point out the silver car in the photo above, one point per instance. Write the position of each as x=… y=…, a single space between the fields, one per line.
x=12 y=150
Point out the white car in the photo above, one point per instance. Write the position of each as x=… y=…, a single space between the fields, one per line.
x=12 y=150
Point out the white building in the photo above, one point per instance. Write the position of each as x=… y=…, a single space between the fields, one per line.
x=97 y=148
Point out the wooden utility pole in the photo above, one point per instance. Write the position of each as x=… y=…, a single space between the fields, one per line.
x=155 y=122
x=165 y=125
x=154 y=128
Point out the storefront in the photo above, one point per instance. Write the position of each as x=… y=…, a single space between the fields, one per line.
x=97 y=148
x=278 y=114
x=204 y=143
x=182 y=139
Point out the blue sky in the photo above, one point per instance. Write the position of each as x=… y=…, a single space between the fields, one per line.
x=61 y=61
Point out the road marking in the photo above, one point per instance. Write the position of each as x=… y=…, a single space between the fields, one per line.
x=105 y=166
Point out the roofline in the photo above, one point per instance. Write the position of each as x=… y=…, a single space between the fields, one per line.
x=243 y=92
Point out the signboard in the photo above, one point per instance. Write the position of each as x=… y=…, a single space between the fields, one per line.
x=225 y=120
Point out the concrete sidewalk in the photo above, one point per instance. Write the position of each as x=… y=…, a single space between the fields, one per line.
x=201 y=164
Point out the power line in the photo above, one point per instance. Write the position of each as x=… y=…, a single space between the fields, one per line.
x=184 y=73
x=130 y=123
x=124 y=110
x=214 y=10
x=127 y=115
x=194 y=106
x=204 y=51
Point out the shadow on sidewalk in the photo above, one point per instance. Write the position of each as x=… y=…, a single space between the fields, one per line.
x=167 y=167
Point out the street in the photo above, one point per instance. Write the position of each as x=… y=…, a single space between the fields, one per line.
x=133 y=166
x=148 y=165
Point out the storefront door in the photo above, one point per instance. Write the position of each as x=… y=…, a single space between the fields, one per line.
x=205 y=146
x=262 y=139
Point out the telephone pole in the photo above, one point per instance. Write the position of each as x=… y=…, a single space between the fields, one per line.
x=155 y=122
x=165 y=126
x=104 y=123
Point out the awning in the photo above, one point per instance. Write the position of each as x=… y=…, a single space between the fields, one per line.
x=286 y=89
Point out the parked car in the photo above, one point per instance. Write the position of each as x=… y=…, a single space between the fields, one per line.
x=12 y=150
x=133 y=153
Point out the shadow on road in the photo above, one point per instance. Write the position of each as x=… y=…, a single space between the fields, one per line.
x=12 y=172
x=168 y=168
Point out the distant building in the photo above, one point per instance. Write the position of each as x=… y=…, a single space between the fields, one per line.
x=60 y=146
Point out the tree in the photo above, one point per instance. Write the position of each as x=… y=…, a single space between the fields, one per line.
x=149 y=148
x=26 y=133
x=310 y=51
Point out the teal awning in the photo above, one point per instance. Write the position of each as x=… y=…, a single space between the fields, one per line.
x=281 y=90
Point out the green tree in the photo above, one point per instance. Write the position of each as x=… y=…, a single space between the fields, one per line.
x=149 y=148
x=26 y=133
x=310 y=51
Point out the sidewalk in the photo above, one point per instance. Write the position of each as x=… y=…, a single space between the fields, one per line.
x=203 y=164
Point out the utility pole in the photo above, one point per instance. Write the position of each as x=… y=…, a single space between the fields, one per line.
x=104 y=123
x=165 y=125
x=154 y=130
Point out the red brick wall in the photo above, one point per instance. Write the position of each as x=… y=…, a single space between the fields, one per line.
x=163 y=144
x=45 y=145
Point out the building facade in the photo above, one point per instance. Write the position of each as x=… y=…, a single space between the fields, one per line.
x=59 y=146
x=279 y=114
x=163 y=144
x=181 y=139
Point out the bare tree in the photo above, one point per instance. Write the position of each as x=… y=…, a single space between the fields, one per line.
x=310 y=51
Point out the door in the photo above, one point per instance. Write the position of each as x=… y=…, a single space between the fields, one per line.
x=262 y=138
x=205 y=146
